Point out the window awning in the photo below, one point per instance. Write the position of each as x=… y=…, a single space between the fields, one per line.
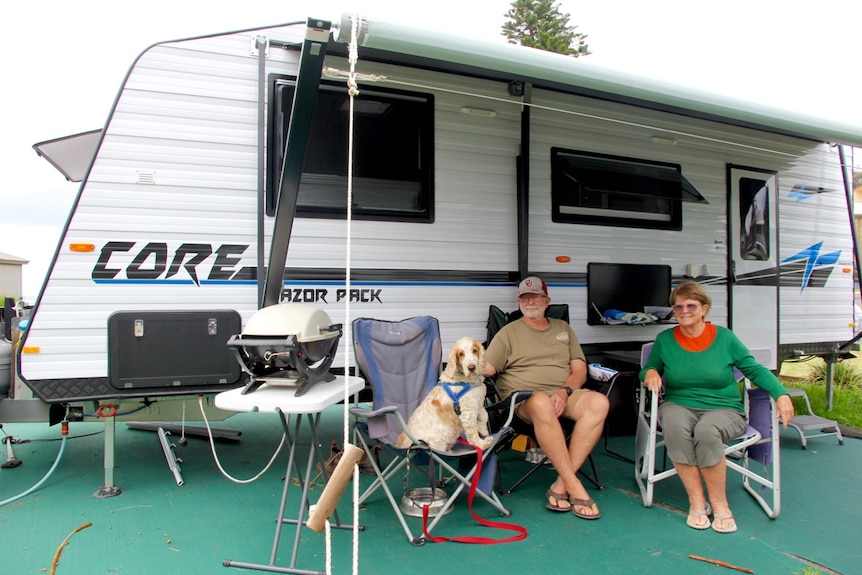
x=629 y=177
x=71 y=155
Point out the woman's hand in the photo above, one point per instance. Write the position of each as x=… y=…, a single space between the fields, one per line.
x=784 y=409
x=653 y=381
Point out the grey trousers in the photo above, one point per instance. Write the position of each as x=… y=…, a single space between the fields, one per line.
x=697 y=436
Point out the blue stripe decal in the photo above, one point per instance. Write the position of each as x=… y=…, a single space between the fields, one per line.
x=328 y=283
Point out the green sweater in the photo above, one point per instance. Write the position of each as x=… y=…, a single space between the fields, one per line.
x=705 y=379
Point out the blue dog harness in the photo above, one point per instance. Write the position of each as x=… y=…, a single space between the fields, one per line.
x=455 y=396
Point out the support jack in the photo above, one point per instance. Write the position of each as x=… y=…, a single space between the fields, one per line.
x=11 y=460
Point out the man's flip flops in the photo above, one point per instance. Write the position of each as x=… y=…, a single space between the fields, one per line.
x=557 y=497
x=588 y=502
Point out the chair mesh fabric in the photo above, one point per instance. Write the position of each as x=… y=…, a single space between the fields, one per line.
x=497 y=318
x=760 y=418
x=401 y=360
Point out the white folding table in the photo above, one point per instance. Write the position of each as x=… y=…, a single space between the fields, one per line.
x=282 y=400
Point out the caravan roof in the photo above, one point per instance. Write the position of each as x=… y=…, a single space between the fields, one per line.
x=396 y=42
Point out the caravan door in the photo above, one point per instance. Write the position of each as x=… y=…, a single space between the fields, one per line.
x=753 y=254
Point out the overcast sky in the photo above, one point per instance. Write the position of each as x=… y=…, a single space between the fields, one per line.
x=63 y=60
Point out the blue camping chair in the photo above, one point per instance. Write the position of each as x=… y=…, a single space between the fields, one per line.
x=401 y=360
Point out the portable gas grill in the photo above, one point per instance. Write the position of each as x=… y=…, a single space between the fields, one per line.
x=287 y=344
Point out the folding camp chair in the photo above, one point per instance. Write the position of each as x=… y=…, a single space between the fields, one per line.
x=758 y=443
x=401 y=360
x=503 y=410
x=807 y=422
x=497 y=318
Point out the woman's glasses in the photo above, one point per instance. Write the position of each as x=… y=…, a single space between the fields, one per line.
x=689 y=307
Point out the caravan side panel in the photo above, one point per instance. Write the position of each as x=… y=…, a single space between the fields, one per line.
x=168 y=210
x=812 y=216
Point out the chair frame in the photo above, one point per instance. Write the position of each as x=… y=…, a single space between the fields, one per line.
x=649 y=440
x=497 y=319
x=805 y=422
x=509 y=404
x=405 y=457
x=420 y=455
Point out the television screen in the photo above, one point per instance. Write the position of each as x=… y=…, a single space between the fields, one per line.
x=625 y=287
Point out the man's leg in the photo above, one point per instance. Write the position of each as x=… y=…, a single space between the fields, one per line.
x=539 y=411
x=589 y=410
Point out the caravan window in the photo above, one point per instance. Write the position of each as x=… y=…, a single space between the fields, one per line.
x=392 y=158
x=598 y=189
x=754 y=219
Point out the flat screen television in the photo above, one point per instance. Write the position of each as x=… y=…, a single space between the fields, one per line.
x=625 y=287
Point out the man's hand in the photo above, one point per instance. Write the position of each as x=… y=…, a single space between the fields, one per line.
x=489 y=370
x=559 y=399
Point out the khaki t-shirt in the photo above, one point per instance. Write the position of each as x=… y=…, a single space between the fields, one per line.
x=532 y=359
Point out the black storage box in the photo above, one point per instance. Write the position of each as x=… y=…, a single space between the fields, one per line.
x=157 y=349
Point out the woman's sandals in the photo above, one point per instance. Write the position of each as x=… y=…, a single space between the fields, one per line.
x=728 y=520
x=699 y=519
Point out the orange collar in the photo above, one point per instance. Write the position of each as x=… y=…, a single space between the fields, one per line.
x=699 y=343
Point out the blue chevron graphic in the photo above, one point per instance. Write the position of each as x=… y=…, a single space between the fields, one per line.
x=801 y=193
x=814 y=260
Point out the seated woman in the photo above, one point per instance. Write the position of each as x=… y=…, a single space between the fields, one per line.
x=702 y=407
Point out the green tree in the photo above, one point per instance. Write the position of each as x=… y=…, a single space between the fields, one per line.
x=540 y=24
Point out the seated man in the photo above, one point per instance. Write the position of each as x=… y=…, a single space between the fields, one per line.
x=543 y=355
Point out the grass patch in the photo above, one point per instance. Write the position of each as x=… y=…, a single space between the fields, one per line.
x=810 y=376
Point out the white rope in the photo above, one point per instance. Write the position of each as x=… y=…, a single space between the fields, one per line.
x=347 y=336
x=353 y=91
x=215 y=456
x=339 y=74
x=328 y=538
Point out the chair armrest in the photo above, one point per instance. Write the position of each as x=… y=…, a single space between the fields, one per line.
x=603 y=386
x=372 y=413
x=508 y=405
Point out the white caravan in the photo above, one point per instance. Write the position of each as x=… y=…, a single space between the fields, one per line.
x=474 y=165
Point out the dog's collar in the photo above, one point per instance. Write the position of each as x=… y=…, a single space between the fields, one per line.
x=455 y=396
x=453 y=383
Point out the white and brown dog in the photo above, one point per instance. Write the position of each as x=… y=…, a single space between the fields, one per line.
x=456 y=404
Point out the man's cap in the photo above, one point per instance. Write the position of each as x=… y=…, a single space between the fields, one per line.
x=532 y=285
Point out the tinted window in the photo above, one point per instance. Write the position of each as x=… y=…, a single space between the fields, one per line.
x=393 y=153
x=600 y=189
x=754 y=219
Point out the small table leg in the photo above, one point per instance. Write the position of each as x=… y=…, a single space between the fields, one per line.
x=305 y=480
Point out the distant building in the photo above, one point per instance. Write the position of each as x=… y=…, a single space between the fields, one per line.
x=10 y=276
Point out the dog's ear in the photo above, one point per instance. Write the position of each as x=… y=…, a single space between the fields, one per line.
x=453 y=357
x=478 y=350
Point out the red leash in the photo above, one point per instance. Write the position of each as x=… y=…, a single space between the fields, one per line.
x=521 y=531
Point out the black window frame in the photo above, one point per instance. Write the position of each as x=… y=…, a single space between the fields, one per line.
x=606 y=190
x=422 y=209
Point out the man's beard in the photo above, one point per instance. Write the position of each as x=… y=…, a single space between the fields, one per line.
x=534 y=313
